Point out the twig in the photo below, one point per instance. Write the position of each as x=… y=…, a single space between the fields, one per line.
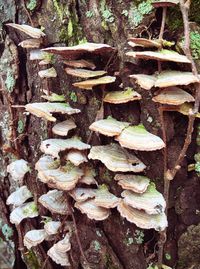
x=171 y=173
x=27 y=13
x=162 y=28
x=76 y=233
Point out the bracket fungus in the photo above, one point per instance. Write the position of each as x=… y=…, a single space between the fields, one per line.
x=138 y=138
x=173 y=96
x=62 y=128
x=45 y=110
x=83 y=194
x=18 y=197
x=109 y=126
x=134 y=183
x=34 y=237
x=31 y=43
x=145 y=81
x=29 y=30
x=63 y=178
x=92 y=211
x=76 y=157
x=27 y=210
x=18 y=169
x=161 y=55
x=84 y=73
x=78 y=50
x=54 y=146
x=151 y=201
x=52 y=227
x=47 y=162
x=89 y=84
x=37 y=54
x=120 y=97
x=53 y=97
x=55 y=201
x=105 y=199
x=89 y=176
x=80 y=64
x=48 y=73
x=142 y=219
x=58 y=252
x=116 y=158
x=165 y=79
x=143 y=42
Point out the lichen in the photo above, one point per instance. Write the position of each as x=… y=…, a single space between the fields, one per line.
x=137 y=13
x=20 y=127
x=31 y=5
x=73 y=97
x=10 y=81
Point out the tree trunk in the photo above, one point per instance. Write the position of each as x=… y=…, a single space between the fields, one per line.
x=113 y=243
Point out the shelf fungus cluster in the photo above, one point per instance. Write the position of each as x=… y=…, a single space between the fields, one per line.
x=169 y=95
x=82 y=68
x=21 y=208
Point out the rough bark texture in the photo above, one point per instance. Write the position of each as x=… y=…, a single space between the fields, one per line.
x=112 y=243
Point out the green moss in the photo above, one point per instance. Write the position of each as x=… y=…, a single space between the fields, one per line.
x=195 y=44
x=59 y=9
x=31 y=260
x=32 y=208
x=50 y=57
x=31 y=5
x=10 y=81
x=89 y=14
x=137 y=13
x=73 y=97
x=97 y=245
x=20 y=127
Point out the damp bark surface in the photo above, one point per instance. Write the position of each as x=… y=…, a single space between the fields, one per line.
x=114 y=243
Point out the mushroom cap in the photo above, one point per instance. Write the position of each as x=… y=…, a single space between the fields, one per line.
x=144 y=42
x=31 y=43
x=134 y=183
x=83 y=194
x=173 y=96
x=52 y=227
x=161 y=55
x=164 y=3
x=80 y=64
x=58 y=252
x=88 y=84
x=76 y=157
x=45 y=110
x=120 y=97
x=106 y=199
x=116 y=158
x=142 y=219
x=34 y=237
x=138 y=138
x=76 y=51
x=54 y=146
x=27 y=210
x=89 y=176
x=170 y=78
x=55 y=202
x=92 y=211
x=48 y=73
x=151 y=201
x=109 y=126
x=63 y=178
x=145 y=81
x=29 y=30
x=18 y=197
x=84 y=73
x=18 y=169
x=62 y=128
